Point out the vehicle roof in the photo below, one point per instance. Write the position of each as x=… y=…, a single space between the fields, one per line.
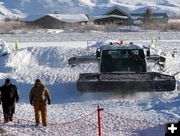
x=117 y=46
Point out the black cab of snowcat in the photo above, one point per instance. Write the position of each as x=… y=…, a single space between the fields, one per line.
x=122 y=60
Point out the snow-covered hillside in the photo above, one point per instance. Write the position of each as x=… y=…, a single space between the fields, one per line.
x=70 y=110
x=10 y=13
x=92 y=7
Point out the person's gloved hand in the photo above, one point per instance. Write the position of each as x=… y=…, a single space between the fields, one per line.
x=31 y=103
x=17 y=100
x=49 y=102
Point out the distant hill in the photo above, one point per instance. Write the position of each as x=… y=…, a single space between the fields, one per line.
x=11 y=13
x=92 y=7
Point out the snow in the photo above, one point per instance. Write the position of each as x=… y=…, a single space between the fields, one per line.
x=4 y=12
x=70 y=18
x=88 y=2
x=92 y=7
x=42 y=36
x=174 y=21
x=109 y=16
x=5 y=48
x=72 y=113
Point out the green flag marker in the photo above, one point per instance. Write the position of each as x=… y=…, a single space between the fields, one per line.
x=153 y=43
x=17 y=46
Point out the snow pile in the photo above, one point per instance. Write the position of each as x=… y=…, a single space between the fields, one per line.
x=5 y=48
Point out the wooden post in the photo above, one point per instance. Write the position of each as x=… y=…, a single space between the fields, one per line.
x=99 y=121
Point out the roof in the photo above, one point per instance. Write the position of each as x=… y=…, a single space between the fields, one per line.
x=116 y=46
x=32 y=17
x=70 y=18
x=155 y=15
x=116 y=8
x=108 y=16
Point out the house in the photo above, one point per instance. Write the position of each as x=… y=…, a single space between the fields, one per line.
x=113 y=16
x=158 y=17
x=56 y=21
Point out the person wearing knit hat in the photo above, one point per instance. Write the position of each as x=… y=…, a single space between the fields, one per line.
x=9 y=96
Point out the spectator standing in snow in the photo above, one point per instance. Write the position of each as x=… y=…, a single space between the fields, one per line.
x=37 y=97
x=9 y=96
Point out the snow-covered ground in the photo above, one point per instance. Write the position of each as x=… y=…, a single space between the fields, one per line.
x=43 y=36
x=72 y=113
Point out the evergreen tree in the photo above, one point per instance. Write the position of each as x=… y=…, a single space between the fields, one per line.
x=147 y=16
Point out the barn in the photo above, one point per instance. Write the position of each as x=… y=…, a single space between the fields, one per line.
x=158 y=17
x=113 y=16
x=57 y=21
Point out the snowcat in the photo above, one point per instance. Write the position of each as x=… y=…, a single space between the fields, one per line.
x=122 y=68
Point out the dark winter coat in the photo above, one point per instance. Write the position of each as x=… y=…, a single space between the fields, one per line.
x=9 y=96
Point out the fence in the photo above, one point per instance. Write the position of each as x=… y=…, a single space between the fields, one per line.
x=98 y=123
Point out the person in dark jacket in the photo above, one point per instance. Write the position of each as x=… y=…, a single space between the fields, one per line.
x=9 y=96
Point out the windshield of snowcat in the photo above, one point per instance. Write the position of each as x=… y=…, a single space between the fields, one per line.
x=123 y=60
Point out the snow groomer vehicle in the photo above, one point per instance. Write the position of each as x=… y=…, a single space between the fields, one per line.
x=122 y=68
